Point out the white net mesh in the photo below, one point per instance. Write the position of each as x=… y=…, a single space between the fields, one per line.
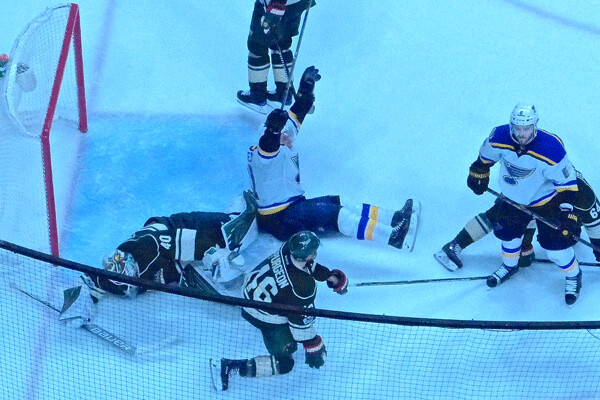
x=26 y=93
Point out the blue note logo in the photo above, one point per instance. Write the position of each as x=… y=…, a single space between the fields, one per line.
x=515 y=173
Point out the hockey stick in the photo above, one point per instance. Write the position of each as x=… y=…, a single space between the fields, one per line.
x=92 y=328
x=584 y=263
x=289 y=72
x=287 y=87
x=539 y=218
x=390 y=283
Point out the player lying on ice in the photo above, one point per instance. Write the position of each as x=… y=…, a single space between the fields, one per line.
x=283 y=209
x=162 y=251
x=289 y=276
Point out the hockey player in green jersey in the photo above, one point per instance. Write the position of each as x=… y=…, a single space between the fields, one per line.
x=289 y=276
x=162 y=252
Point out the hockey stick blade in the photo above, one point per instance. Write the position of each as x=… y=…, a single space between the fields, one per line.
x=395 y=283
x=92 y=328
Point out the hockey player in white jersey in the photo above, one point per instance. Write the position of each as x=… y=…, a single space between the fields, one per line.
x=536 y=173
x=587 y=207
x=283 y=210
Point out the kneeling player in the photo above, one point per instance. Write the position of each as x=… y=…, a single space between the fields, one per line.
x=294 y=272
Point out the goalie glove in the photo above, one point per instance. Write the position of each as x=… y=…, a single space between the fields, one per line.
x=341 y=285
x=222 y=264
x=479 y=177
x=315 y=352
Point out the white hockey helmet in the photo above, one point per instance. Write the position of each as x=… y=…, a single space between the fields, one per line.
x=524 y=114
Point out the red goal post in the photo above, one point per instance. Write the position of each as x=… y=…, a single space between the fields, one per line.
x=43 y=86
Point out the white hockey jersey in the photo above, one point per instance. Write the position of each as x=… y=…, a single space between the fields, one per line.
x=534 y=177
x=275 y=177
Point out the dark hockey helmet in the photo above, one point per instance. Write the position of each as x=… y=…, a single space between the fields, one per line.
x=276 y=121
x=303 y=245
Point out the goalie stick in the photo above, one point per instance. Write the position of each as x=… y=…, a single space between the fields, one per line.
x=102 y=333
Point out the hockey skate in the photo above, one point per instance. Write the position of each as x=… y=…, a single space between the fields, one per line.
x=274 y=99
x=255 y=101
x=405 y=223
x=572 y=288
x=449 y=256
x=221 y=371
x=501 y=275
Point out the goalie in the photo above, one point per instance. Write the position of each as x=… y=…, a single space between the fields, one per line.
x=162 y=252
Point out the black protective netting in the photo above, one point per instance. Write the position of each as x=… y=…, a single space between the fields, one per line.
x=369 y=356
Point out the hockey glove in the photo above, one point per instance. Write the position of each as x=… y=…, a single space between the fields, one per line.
x=315 y=352
x=568 y=220
x=275 y=122
x=307 y=83
x=272 y=18
x=596 y=242
x=341 y=287
x=479 y=177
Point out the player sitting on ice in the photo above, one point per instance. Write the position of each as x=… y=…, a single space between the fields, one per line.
x=162 y=252
x=288 y=277
x=283 y=209
x=586 y=206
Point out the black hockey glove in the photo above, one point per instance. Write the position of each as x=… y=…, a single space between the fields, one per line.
x=315 y=352
x=479 y=177
x=596 y=242
x=272 y=18
x=276 y=120
x=307 y=83
x=342 y=286
x=568 y=220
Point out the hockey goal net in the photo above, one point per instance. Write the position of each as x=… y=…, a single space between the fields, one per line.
x=42 y=91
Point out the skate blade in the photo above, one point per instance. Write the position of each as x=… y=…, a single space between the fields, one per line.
x=215 y=374
x=411 y=235
x=443 y=259
x=256 y=108
x=276 y=105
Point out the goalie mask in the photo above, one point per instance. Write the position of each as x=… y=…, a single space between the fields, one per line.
x=122 y=263
x=523 y=123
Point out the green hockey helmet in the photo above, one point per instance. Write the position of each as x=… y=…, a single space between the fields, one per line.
x=303 y=245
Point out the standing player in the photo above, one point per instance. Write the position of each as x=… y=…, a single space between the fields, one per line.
x=535 y=172
x=162 y=252
x=283 y=209
x=586 y=206
x=287 y=277
x=274 y=23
